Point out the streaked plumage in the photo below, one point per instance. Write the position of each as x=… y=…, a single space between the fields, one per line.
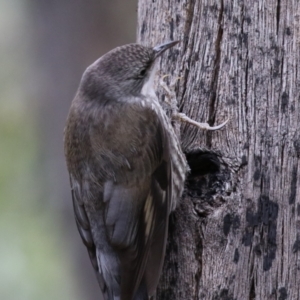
x=126 y=170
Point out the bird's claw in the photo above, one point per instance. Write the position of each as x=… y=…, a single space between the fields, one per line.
x=169 y=89
x=171 y=85
x=205 y=126
x=170 y=93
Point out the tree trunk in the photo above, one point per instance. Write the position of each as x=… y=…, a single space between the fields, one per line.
x=236 y=232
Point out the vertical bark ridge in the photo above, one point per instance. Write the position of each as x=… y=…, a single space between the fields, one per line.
x=239 y=59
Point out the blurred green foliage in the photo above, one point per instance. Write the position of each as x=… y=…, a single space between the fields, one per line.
x=33 y=262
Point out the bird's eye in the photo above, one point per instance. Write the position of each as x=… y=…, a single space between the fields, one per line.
x=142 y=73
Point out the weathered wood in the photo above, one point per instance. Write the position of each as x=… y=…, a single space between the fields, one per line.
x=236 y=233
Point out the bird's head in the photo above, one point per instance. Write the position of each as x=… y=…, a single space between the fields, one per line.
x=124 y=71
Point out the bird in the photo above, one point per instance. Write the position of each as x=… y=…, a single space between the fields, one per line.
x=126 y=168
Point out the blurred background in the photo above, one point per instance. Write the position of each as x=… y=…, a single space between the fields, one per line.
x=45 y=47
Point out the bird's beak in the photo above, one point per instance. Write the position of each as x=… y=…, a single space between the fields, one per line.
x=160 y=49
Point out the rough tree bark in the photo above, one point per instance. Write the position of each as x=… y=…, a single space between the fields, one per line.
x=236 y=233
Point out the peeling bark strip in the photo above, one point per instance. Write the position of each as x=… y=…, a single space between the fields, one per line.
x=236 y=233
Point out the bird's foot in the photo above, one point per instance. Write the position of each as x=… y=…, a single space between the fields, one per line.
x=184 y=118
x=170 y=94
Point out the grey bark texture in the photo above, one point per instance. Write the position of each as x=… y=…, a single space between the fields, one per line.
x=236 y=233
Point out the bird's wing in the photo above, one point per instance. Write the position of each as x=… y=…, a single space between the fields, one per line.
x=137 y=201
x=134 y=229
x=85 y=231
x=136 y=194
